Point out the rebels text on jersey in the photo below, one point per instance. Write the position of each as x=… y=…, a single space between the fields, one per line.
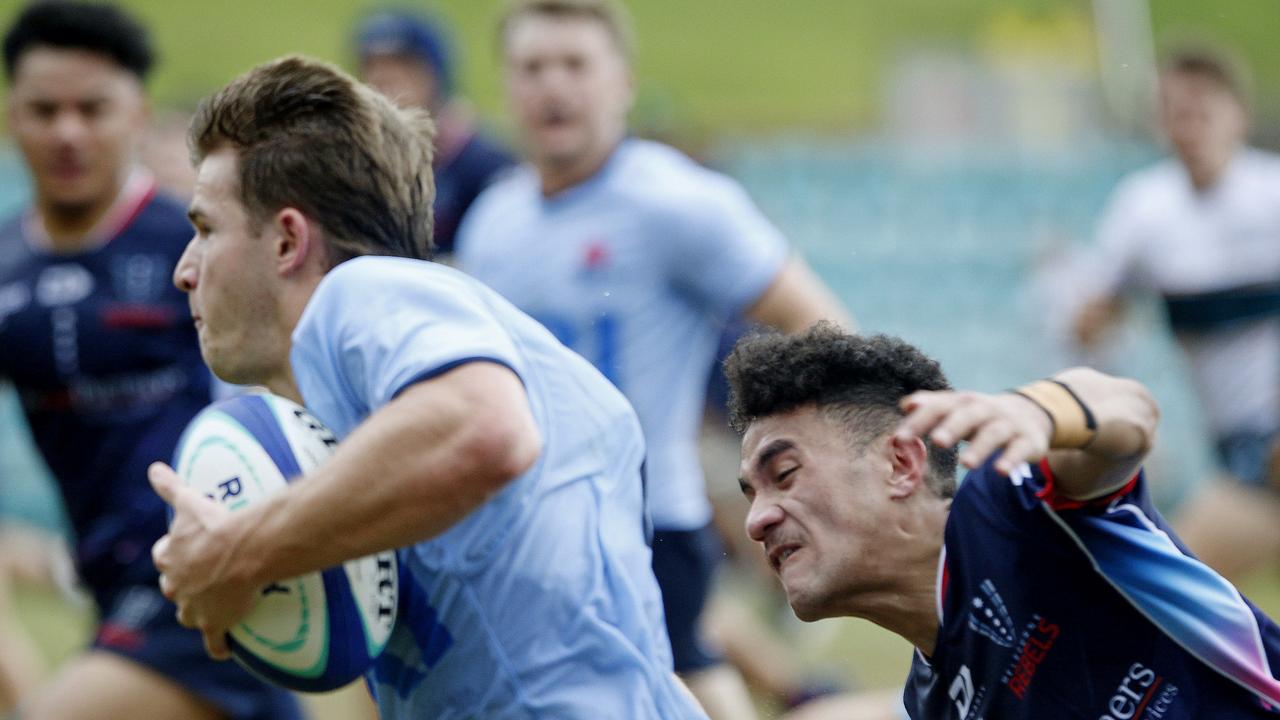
x=1051 y=608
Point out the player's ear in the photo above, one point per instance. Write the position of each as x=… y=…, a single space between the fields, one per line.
x=296 y=240
x=909 y=465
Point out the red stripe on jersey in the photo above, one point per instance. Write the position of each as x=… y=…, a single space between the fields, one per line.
x=1049 y=493
x=120 y=636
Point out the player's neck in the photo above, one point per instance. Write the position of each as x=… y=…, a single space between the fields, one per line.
x=557 y=177
x=284 y=384
x=69 y=227
x=1206 y=175
x=908 y=606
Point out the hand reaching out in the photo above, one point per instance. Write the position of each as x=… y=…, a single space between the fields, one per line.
x=1004 y=422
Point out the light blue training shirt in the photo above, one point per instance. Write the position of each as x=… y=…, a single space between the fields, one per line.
x=540 y=603
x=638 y=269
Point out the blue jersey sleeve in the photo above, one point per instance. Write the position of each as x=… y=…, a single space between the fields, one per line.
x=376 y=325
x=723 y=249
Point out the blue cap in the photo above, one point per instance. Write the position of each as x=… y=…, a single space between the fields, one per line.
x=394 y=32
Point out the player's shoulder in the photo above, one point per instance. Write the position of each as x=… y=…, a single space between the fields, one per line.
x=1154 y=191
x=669 y=183
x=1158 y=177
x=1260 y=164
x=162 y=218
x=510 y=188
x=11 y=227
x=485 y=154
x=677 y=174
x=13 y=245
x=369 y=273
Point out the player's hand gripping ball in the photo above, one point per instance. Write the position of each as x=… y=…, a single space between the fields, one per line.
x=313 y=633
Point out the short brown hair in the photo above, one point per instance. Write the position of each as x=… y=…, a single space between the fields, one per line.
x=311 y=137
x=1214 y=65
x=608 y=13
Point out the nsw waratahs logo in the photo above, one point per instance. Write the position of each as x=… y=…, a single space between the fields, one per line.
x=988 y=616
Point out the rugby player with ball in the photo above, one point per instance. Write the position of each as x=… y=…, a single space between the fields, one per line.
x=505 y=469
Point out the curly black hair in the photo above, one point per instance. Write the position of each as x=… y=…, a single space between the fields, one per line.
x=102 y=29
x=858 y=378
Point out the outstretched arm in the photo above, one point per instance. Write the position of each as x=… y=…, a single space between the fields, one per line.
x=1046 y=418
x=414 y=468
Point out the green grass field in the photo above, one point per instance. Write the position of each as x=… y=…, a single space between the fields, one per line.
x=740 y=66
x=853 y=650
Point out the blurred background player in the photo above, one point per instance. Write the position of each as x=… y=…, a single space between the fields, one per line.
x=409 y=59
x=99 y=346
x=1203 y=231
x=635 y=257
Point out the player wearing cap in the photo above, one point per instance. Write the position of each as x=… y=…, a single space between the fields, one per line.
x=408 y=58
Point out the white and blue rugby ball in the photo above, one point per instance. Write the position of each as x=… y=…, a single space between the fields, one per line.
x=313 y=633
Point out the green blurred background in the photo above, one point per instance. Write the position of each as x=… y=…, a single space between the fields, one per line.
x=715 y=66
x=938 y=161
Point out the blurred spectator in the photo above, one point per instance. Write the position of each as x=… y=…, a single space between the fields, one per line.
x=408 y=58
x=1203 y=231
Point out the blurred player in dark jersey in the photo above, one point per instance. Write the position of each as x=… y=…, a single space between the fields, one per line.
x=408 y=59
x=1046 y=586
x=101 y=349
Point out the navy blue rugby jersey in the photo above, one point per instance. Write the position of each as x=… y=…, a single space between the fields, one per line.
x=101 y=348
x=462 y=173
x=1052 y=609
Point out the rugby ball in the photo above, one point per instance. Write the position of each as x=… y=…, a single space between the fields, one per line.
x=313 y=633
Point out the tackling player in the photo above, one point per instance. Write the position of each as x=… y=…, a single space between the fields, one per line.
x=505 y=466
x=109 y=372
x=1046 y=586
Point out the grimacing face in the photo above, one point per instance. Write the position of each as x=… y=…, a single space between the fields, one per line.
x=818 y=506
x=78 y=118
x=1204 y=122
x=569 y=87
x=228 y=274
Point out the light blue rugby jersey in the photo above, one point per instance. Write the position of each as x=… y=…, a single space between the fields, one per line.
x=637 y=269
x=540 y=603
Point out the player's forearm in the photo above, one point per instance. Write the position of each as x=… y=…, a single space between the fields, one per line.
x=796 y=299
x=415 y=468
x=1125 y=416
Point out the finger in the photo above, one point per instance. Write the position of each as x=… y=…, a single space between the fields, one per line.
x=184 y=616
x=1021 y=450
x=927 y=411
x=990 y=437
x=910 y=402
x=158 y=551
x=215 y=644
x=166 y=587
x=961 y=423
x=164 y=481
